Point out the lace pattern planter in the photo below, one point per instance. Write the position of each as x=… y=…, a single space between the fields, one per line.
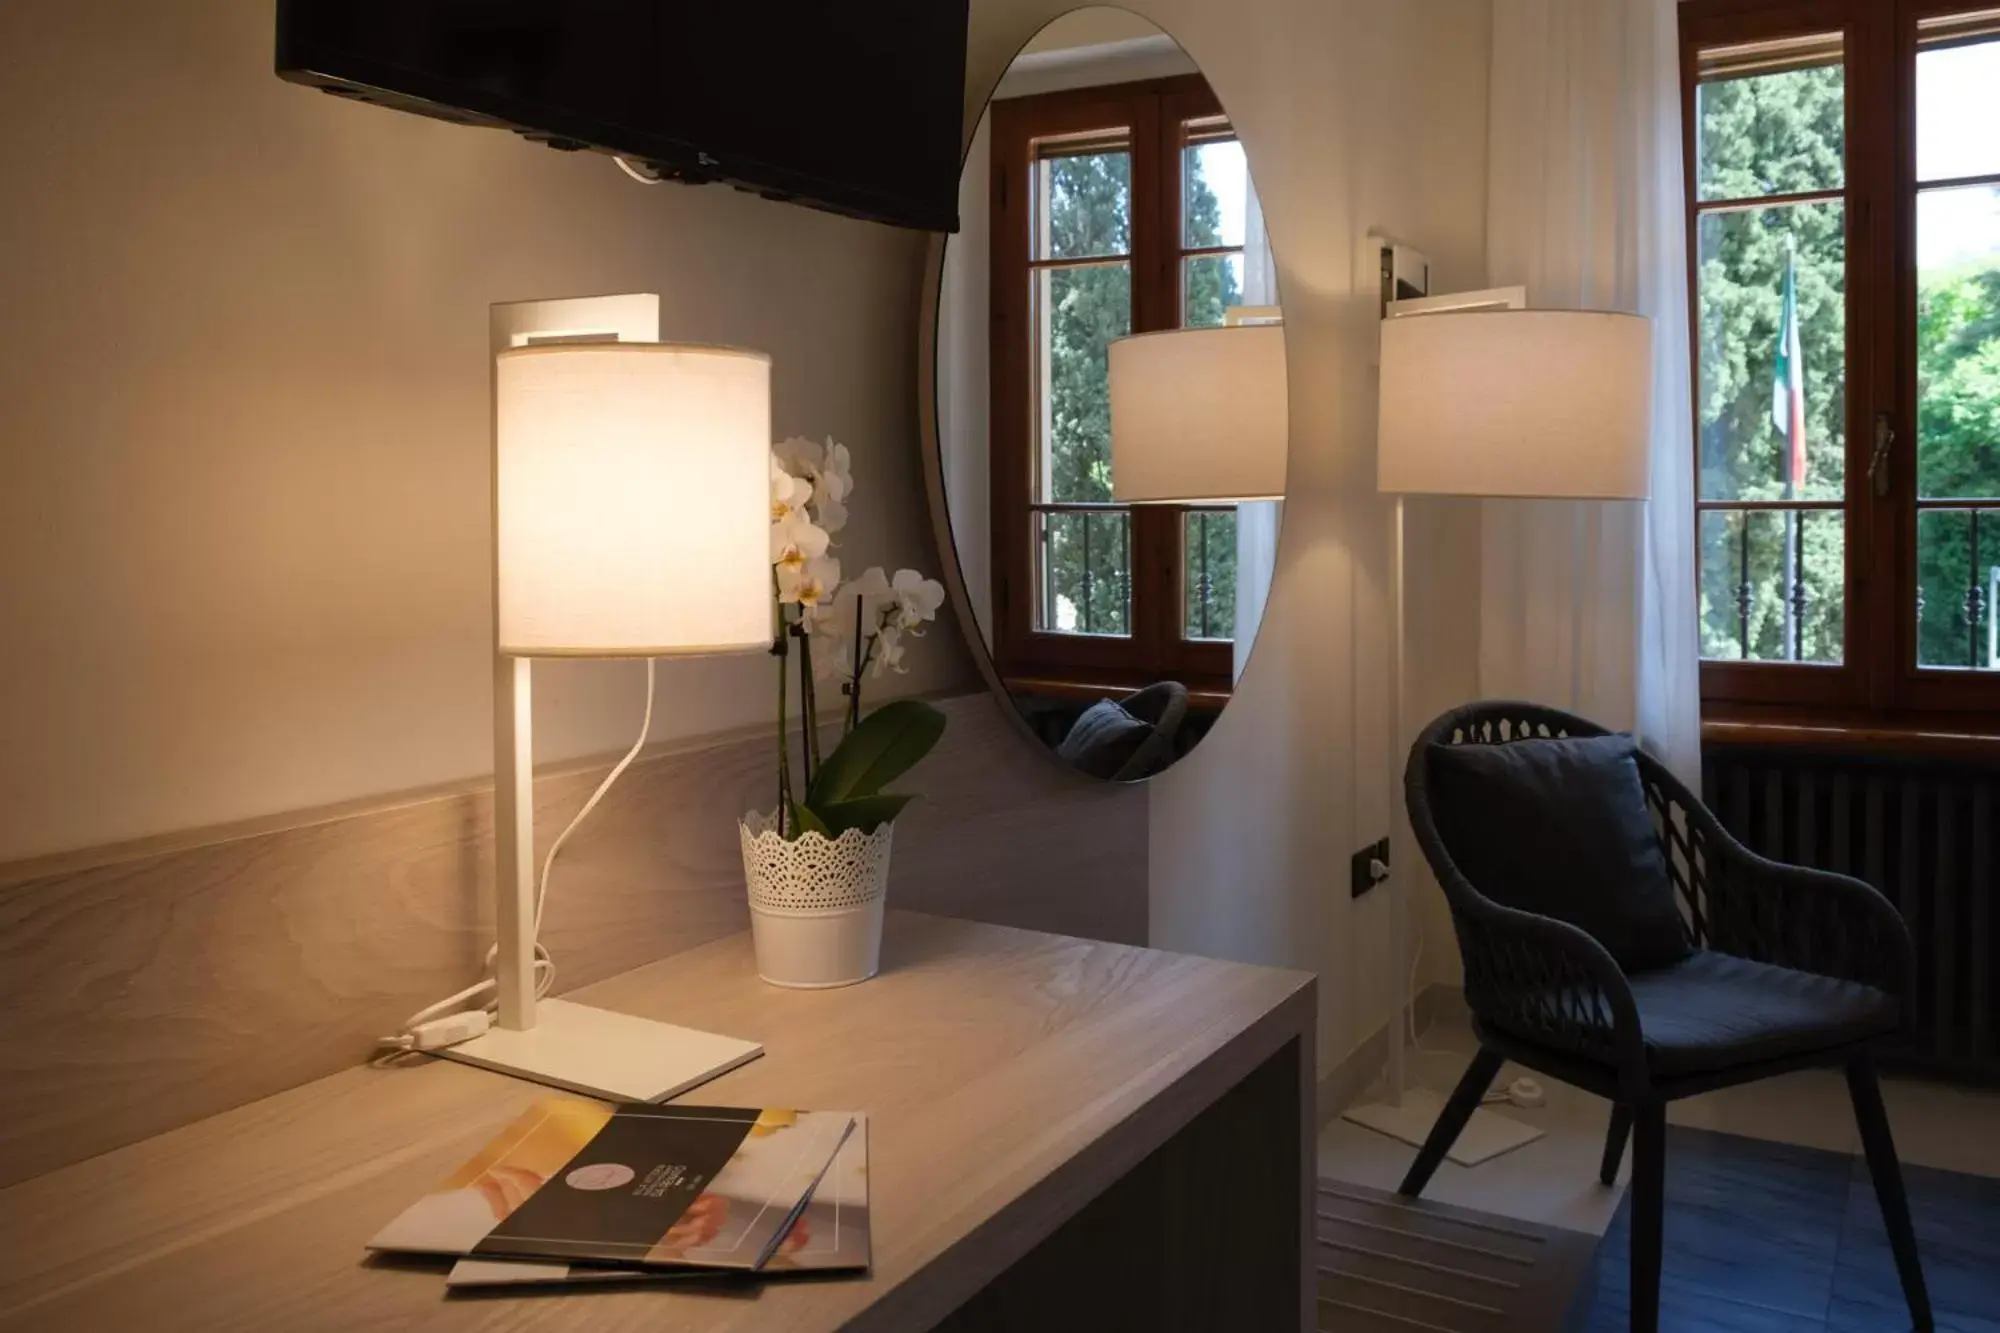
x=815 y=903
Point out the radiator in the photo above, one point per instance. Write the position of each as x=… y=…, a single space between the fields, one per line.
x=1922 y=832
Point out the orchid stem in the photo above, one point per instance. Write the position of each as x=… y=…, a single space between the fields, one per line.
x=854 y=685
x=808 y=707
x=784 y=749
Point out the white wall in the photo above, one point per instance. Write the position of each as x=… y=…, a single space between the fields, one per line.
x=1355 y=115
x=243 y=408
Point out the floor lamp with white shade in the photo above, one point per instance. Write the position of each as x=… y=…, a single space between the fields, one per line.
x=1522 y=404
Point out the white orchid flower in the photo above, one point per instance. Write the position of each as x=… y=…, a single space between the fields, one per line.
x=799 y=456
x=888 y=652
x=811 y=583
x=917 y=599
x=872 y=587
x=797 y=543
x=831 y=624
x=832 y=513
x=837 y=468
x=789 y=495
x=833 y=482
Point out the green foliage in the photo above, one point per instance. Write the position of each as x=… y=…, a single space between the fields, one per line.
x=866 y=813
x=1782 y=133
x=847 y=790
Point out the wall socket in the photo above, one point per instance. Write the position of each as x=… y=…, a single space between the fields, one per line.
x=1363 y=876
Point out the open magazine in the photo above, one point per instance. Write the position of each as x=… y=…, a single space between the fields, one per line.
x=829 y=1237
x=641 y=1185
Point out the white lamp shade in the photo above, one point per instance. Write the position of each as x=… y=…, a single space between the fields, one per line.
x=1527 y=403
x=1198 y=416
x=632 y=493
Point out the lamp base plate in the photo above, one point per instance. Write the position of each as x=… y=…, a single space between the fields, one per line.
x=602 y=1054
x=1485 y=1136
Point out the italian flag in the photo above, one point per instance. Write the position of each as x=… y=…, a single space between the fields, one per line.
x=1788 y=383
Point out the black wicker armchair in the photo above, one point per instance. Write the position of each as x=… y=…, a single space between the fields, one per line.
x=1785 y=968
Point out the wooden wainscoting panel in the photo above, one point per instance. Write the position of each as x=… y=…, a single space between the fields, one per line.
x=150 y=985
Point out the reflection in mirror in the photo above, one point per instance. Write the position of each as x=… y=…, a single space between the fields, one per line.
x=1108 y=364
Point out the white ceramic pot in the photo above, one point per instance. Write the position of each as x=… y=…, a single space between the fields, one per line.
x=815 y=903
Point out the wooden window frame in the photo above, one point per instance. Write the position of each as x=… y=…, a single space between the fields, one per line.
x=1878 y=682
x=1156 y=112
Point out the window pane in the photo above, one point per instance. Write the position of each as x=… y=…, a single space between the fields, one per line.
x=1079 y=312
x=1208 y=537
x=1958 y=342
x=1771 y=585
x=1752 y=445
x=1763 y=134
x=1958 y=563
x=1210 y=284
x=1958 y=108
x=1085 y=202
x=1215 y=190
x=1083 y=563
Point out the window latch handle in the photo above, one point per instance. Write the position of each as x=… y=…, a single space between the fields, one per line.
x=1878 y=462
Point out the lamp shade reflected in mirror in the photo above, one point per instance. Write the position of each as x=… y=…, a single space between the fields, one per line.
x=1176 y=396
x=1105 y=357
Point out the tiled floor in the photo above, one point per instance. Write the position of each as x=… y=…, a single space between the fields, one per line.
x=1768 y=1237
x=1765 y=1217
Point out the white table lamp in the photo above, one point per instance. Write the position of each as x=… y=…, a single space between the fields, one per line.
x=1198 y=416
x=631 y=485
x=1548 y=404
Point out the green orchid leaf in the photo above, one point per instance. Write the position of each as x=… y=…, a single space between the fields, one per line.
x=886 y=745
x=866 y=813
x=804 y=821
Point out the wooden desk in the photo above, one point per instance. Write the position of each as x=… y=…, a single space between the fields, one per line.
x=1065 y=1134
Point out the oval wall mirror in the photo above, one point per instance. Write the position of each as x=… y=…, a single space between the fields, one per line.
x=1104 y=407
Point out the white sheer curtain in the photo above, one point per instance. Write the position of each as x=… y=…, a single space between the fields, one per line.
x=1256 y=523
x=1591 y=606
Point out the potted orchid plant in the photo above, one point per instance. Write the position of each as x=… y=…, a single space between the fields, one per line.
x=817 y=865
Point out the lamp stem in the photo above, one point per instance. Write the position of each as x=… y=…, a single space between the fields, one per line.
x=1399 y=869
x=514 y=840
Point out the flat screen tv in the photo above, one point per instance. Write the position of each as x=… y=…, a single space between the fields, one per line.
x=848 y=105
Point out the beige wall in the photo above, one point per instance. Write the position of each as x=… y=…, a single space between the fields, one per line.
x=243 y=408
x=1355 y=115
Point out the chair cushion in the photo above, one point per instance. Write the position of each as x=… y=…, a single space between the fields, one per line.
x=1108 y=742
x=1713 y=1011
x=1561 y=828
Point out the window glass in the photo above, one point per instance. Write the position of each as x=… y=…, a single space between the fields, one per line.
x=1958 y=110
x=1764 y=273
x=1208 y=579
x=1771 y=585
x=1776 y=133
x=1215 y=187
x=1085 y=205
x=1080 y=311
x=1083 y=562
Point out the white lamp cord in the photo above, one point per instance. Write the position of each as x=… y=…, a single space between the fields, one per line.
x=487 y=991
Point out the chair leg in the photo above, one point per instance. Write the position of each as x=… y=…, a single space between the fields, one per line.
x=1649 y=1189
x=1464 y=1101
x=1614 y=1142
x=1888 y=1177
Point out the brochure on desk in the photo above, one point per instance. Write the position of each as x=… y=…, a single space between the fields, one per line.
x=828 y=1238
x=638 y=1185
